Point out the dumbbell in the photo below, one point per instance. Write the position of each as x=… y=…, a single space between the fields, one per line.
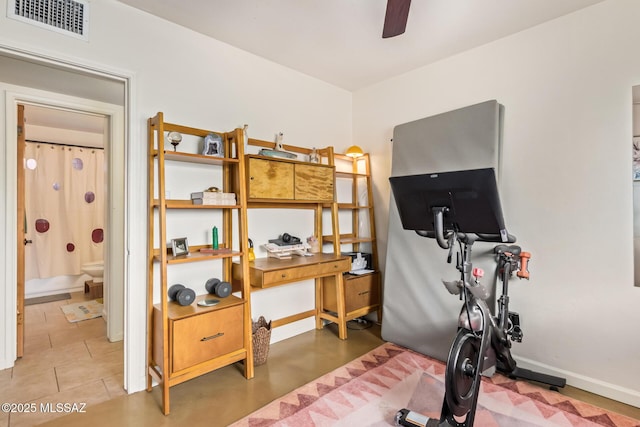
x=181 y=294
x=218 y=288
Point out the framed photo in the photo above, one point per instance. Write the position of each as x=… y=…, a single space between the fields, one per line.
x=213 y=145
x=180 y=246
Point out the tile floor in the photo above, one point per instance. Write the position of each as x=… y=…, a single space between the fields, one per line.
x=63 y=362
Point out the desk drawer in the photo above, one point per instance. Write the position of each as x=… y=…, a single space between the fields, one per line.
x=360 y=291
x=206 y=336
x=271 y=278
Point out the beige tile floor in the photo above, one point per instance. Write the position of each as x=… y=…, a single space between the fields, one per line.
x=63 y=362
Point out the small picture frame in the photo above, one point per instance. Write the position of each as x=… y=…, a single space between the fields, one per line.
x=213 y=145
x=180 y=246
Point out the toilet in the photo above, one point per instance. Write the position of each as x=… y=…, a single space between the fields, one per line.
x=95 y=269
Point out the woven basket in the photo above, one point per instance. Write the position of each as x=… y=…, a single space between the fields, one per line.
x=261 y=336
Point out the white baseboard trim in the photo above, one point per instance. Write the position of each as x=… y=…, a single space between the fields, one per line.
x=117 y=337
x=6 y=364
x=592 y=385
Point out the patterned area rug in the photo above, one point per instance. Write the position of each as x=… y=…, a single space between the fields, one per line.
x=83 y=310
x=369 y=391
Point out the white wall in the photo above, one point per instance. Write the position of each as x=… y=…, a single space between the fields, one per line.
x=200 y=82
x=566 y=180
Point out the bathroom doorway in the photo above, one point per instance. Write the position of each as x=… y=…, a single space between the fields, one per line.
x=63 y=186
x=65 y=202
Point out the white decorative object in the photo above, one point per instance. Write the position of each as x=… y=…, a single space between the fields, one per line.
x=174 y=139
x=313 y=156
x=279 y=138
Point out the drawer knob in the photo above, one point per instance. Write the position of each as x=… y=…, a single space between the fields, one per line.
x=363 y=293
x=218 y=335
x=284 y=275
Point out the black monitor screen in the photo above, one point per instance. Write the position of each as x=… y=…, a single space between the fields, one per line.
x=471 y=197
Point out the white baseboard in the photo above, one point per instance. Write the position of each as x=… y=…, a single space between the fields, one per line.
x=117 y=337
x=6 y=364
x=592 y=385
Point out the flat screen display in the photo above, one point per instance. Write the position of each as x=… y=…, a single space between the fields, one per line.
x=470 y=196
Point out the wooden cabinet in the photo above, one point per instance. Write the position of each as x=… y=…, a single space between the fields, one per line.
x=314 y=182
x=287 y=180
x=187 y=341
x=361 y=294
x=199 y=334
x=264 y=174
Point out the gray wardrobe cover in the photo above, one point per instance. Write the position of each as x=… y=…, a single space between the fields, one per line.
x=418 y=312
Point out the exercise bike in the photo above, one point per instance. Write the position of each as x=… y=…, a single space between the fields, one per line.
x=483 y=341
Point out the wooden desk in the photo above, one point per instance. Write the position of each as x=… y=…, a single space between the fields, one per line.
x=270 y=272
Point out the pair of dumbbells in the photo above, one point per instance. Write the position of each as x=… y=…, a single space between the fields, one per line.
x=218 y=287
x=185 y=296
x=181 y=294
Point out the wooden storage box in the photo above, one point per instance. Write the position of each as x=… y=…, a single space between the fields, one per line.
x=93 y=289
x=200 y=336
x=287 y=180
x=360 y=291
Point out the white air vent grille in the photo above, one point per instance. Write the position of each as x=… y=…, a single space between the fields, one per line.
x=65 y=16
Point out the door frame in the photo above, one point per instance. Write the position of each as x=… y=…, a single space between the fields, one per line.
x=114 y=237
x=21 y=240
x=129 y=178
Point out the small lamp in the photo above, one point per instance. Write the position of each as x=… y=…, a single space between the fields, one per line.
x=354 y=151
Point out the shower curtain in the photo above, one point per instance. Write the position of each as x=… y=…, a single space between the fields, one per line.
x=65 y=210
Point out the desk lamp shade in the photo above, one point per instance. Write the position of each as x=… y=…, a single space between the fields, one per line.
x=354 y=151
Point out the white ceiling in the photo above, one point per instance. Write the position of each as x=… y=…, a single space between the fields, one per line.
x=340 y=41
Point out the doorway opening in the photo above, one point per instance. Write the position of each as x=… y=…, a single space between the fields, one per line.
x=34 y=79
x=65 y=202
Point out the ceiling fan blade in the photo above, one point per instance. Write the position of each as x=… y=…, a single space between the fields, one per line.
x=395 y=20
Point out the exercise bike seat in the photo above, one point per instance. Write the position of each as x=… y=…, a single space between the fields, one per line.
x=512 y=249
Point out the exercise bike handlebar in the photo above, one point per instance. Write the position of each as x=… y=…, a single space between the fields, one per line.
x=444 y=238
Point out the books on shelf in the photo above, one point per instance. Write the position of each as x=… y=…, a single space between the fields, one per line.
x=221 y=202
x=212 y=195
x=213 y=198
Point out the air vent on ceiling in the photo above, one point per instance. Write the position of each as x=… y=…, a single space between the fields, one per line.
x=63 y=16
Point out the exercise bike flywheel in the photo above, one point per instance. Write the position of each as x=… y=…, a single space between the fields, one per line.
x=462 y=372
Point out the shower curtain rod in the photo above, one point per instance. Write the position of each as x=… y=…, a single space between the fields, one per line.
x=65 y=145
